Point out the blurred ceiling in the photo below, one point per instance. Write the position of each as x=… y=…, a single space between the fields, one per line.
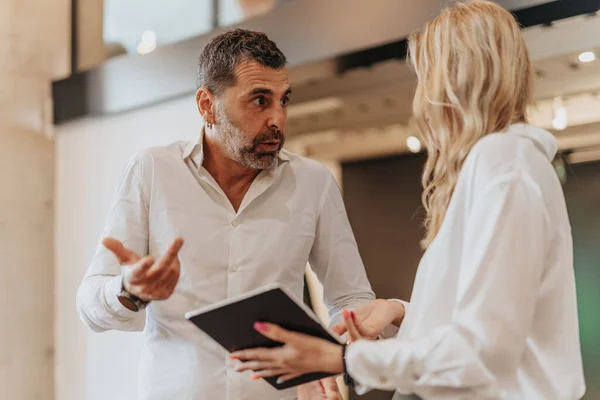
x=328 y=44
x=365 y=112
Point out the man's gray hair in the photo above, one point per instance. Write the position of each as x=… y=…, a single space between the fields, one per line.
x=218 y=60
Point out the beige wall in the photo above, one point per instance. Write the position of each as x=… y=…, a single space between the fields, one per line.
x=34 y=50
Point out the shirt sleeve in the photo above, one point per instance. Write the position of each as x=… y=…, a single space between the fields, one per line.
x=127 y=221
x=335 y=259
x=505 y=240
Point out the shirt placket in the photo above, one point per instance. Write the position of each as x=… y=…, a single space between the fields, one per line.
x=234 y=283
x=235 y=270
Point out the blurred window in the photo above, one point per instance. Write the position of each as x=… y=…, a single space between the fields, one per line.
x=142 y=25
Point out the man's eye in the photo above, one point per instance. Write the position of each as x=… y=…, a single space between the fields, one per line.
x=285 y=101
x=260 y=101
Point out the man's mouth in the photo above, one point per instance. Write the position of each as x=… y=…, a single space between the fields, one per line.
x=269 y=146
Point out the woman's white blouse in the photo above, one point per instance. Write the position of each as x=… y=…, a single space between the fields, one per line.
x=493 y=313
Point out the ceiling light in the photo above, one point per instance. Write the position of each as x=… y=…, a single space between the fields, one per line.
x=586 y=57
x=414 y=144
x=148 y=43
x=561 y=116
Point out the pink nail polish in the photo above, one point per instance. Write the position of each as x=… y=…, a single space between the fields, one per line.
x=261 y=327
x=353 y=315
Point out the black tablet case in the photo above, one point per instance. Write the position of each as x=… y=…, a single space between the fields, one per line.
x=232 y=326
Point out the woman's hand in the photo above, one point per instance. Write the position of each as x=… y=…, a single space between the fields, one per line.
x=299 y=355
x=373 y=317
x=327 y=388
x=351 y=327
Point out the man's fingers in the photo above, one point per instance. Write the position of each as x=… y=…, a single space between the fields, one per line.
x=172 y=279
x=168 y=258
x=162 y=287
x=365 y=333
x=123 y=254
x=330 y=386
x=138 y=272
x=160 y=275
x=172 y=252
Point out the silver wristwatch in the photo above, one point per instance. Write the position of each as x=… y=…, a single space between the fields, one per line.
x=130 y=301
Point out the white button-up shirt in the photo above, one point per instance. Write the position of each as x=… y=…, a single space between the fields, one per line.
x=292 y=214
x=493 y=313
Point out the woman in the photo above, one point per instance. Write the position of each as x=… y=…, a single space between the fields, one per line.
x=493 y=312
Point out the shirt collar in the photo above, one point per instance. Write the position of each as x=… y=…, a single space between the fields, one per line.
x=195 y=151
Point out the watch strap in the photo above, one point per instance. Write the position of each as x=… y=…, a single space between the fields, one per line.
x=131 y=301
x=348 y=381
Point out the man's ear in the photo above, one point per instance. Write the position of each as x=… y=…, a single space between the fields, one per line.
x=206 y=105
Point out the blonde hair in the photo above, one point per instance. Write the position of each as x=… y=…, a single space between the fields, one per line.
x=474 y=78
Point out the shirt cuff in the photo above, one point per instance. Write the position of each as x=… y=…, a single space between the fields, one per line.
x=359 y=362
x=111 y=291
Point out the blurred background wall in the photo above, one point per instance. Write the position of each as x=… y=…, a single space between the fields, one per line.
x=86 y=84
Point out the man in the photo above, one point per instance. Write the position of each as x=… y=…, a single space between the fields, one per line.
x=250 y=212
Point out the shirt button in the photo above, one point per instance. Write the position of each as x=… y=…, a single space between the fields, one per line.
x=234 y=268
x=231 y=364
x=383 y=379
x=235 y=223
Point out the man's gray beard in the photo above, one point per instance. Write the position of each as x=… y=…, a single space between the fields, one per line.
x=236 y=144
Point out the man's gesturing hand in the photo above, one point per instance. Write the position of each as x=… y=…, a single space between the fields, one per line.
x=145 y=278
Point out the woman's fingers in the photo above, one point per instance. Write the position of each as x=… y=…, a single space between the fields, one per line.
x=293 y=358
x=258 y=354
x=353 y=332
x=257 y=366
x=268 y=373
x=275 y=332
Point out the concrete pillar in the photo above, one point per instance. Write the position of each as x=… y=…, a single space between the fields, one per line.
x=35 y=49
x=91 y=49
